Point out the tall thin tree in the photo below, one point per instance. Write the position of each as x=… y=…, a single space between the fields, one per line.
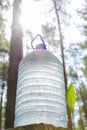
x=16 y=55
x=63 y=60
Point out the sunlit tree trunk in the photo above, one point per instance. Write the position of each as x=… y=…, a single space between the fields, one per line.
x=62 y=53
x=16 y=55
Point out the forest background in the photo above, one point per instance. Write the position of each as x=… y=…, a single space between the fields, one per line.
x=63 y=23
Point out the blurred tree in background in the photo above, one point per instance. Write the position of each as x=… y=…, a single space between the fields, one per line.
x=4 y=55
x=83 y=46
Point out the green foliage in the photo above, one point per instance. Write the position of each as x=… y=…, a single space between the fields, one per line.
x=49 y=34
x=82 y=96
x=71 y=97
x=73 y=73
x=4 y=4
x=3 y=113
x=80 y=125
x=4 y=70
x=84 y=45
x=4 y=50
x=85 y=66
x=2 y=24
x=4 y=44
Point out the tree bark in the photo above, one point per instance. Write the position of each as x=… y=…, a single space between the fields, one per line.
x=16 y=54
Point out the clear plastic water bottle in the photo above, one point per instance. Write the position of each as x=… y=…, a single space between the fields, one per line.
x=40 y=94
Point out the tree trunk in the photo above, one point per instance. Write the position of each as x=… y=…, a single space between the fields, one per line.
x=16 y=54
x=63 y=60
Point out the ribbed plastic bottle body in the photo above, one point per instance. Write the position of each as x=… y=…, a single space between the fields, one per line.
x=40 y=94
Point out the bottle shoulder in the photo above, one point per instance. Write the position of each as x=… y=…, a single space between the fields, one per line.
x=40 y=55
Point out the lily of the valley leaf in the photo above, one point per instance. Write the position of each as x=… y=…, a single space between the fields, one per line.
x=71 y=97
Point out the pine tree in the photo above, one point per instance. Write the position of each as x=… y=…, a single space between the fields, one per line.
x=16 y=55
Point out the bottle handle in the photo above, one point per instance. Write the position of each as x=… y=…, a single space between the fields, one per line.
x=39 y=45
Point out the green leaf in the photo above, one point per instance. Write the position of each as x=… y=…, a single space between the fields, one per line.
x=71 y=97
